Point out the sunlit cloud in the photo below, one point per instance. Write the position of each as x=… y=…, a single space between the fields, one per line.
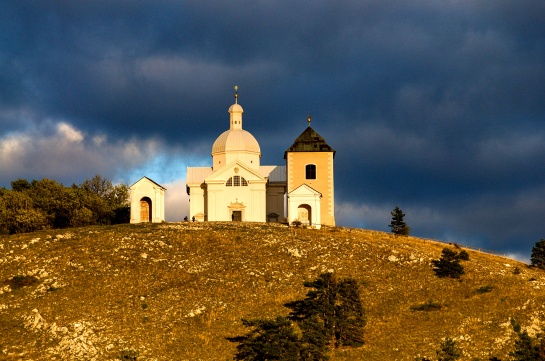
x=67 y=154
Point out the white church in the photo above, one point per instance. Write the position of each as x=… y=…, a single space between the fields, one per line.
x=238 y=188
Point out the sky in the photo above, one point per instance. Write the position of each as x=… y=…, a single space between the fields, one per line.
x=437 y=107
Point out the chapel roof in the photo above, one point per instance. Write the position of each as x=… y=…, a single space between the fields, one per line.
x=144 y=179
x=309 y=141
x=235 y=139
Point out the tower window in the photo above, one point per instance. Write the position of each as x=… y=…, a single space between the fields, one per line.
x=236 y=181
x=310 y=171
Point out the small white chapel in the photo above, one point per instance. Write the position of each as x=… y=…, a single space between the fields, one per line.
x=238 y=188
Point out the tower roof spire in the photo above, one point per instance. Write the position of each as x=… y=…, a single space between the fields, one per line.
x=309 y=119
x=236 y=94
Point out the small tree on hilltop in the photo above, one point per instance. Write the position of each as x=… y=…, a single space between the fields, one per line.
x=449 y=263
x=397 y=223
x=538 y=254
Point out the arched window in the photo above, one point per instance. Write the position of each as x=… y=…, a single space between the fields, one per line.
x=310 y=171
x=236 y=181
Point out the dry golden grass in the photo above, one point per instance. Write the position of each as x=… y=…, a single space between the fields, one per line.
x=176 y=291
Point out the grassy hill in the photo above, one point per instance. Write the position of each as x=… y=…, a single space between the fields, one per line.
x=176 y=291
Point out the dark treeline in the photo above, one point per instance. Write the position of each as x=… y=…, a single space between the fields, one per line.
x=36 y=205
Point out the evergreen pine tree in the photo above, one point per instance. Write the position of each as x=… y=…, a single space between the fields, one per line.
x=463 y=255
x=314 y=340
x=350 y=315
x=333 y=310
x=538 y=254
x=318 y=306
x=397 y=223
x=448 y=265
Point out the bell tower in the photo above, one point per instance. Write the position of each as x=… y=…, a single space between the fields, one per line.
x=310 y=180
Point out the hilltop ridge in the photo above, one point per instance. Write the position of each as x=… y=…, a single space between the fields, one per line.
x=176 y=291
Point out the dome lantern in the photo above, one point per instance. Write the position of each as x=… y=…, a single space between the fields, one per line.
x=236 y=143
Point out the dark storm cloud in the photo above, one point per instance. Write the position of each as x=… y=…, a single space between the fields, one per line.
x=433 y=106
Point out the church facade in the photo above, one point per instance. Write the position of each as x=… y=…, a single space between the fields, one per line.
x=238 y=188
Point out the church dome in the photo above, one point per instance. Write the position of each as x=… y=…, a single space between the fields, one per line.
x=235 y=140
x=236 y=108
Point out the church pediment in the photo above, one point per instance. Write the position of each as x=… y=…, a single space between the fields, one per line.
x=304 y=190
x=146 y=181
x=235 y=169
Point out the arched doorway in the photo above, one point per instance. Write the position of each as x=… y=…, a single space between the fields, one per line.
x=145 y=210
x=304 y=214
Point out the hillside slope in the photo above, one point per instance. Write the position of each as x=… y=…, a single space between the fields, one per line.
x=176 y=291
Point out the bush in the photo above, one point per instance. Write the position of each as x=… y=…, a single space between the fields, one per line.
x=20 y=281
x=484 y=289
x=427 y=306
x=47 y=204
x=447 y=352
x=128 y=355
x=297 y=223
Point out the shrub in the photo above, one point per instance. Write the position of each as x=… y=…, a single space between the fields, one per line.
x=484 y=289
x=448 y=351
x=20 y=281
x=128 y=355
x=297 y=223
x=427 y=306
